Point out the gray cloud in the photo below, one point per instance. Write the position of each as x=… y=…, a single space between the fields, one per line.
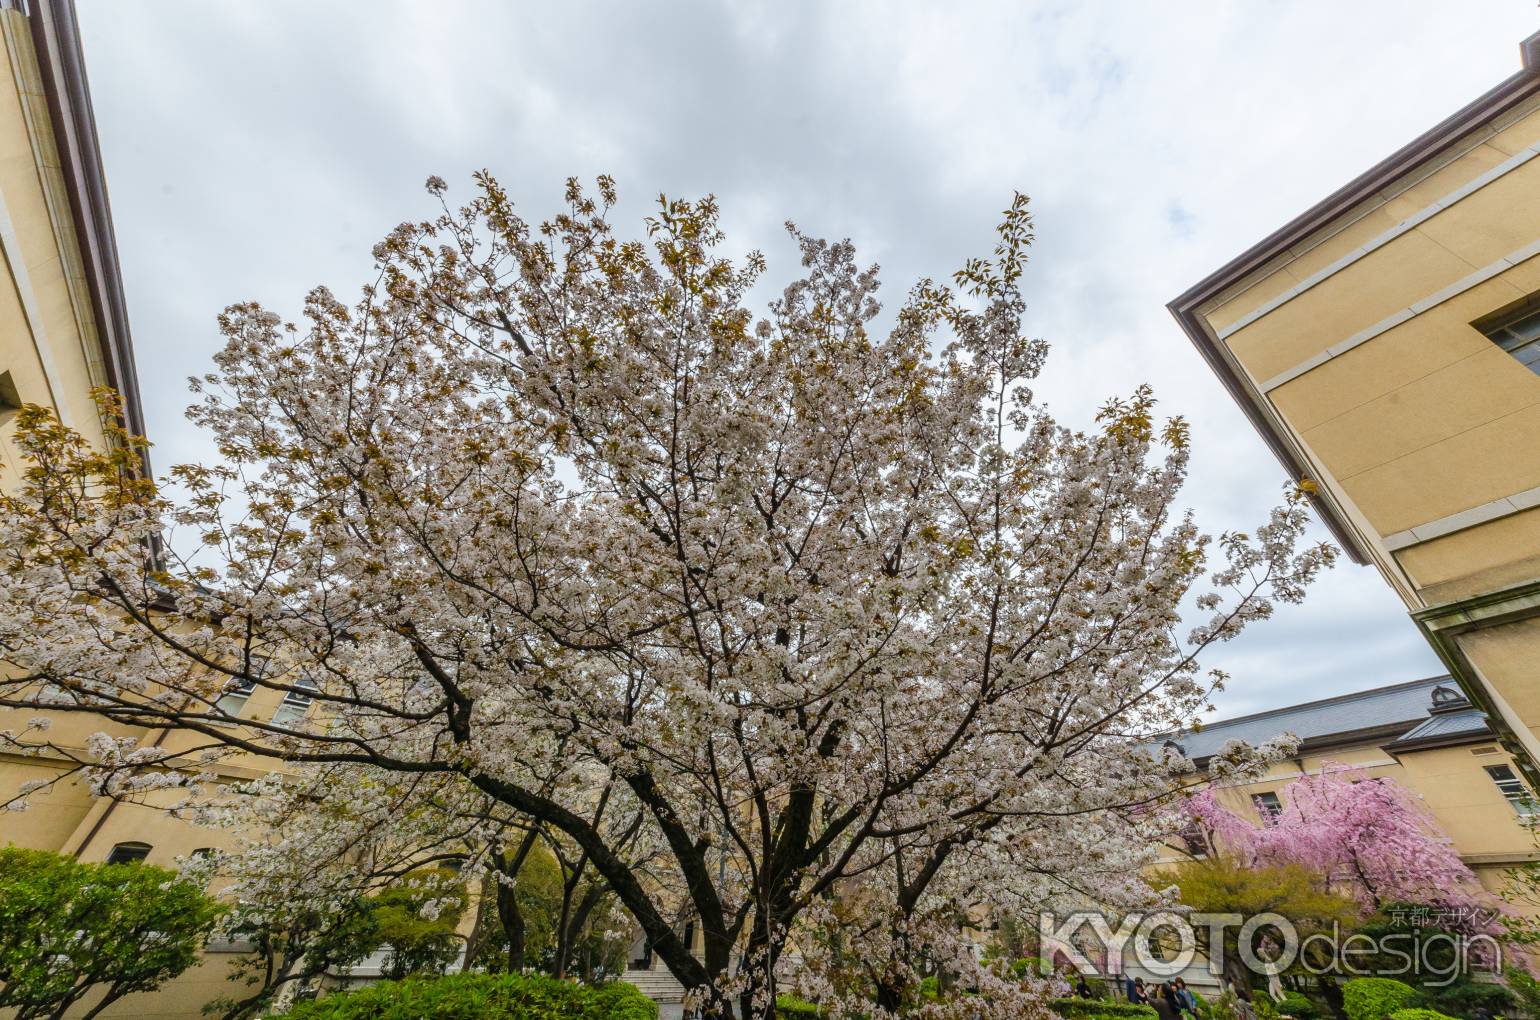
x=255 y=150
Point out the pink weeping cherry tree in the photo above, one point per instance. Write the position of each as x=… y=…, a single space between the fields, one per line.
x=1366 y=836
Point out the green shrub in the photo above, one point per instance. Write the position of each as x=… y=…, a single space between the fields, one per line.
x=1101 y=1009
x=1302 y=1007
x=1466 y=997
x=481 y=997
x=1419 y=1014
x=1029 y=965
x=789 y=1007
x=1376 y=998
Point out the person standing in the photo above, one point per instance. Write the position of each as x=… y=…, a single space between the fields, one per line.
x=1186 y=1002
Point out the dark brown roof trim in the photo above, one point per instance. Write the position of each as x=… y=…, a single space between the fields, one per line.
x=1481 y=736
x=56 y=38
x=1500 y=99
x=1316 y=746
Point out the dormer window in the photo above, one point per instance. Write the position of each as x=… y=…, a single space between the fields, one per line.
x=1448 y=699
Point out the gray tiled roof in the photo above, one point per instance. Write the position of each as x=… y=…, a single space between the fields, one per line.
x=1449 y=724
x=1383 y=706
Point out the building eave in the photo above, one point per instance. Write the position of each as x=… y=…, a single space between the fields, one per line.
x=56 y=39
x=1485 y=735
x=1185 y=308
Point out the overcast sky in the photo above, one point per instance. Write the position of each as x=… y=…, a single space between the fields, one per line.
x=255 y=149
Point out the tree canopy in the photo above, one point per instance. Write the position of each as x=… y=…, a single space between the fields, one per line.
x=810 y=606
x=70 y=932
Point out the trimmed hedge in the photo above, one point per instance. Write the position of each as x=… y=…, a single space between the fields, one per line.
x=1374 y=998
x=1302 y=1007
x=1101 y=1009
x=789 y=1007
x=481 y=997
x=1419 y=1014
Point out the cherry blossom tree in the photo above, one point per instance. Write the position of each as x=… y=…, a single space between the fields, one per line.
x=1365 y=836
x=858 y=627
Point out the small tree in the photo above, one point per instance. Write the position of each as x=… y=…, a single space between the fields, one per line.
x=1221 y=884
x=68 y=930
x=416 y=918
x=294 y=945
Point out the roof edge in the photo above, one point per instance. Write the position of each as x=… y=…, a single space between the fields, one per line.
x=1335 y=699
x=56 y=38
x=1484 y=735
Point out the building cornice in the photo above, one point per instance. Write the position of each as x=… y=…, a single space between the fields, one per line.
x=56 y=40
x=1398 y=747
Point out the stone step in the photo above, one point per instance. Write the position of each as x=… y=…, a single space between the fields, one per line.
x=658 y=985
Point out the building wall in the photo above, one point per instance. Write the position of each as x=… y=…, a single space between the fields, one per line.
x=1428 y=418
x=1362 y=342
x=48 y=339
x=50 y=347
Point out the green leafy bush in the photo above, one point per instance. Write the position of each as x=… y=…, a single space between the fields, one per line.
x=1419 y=1014
x=1465 y=997
x=1302 y=1007
x=789 y=1007
x=1376 y=998
x=1033 y=966
x=481 y=997
x=419 y=944
x=1101 y=1009
x=69 y=930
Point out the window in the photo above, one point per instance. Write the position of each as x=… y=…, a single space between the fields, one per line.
x=1193 y=839
x=128 y=853
x=234 y=698
x=237 y=690
x=295 y=703
x=1268 y=806
x=1519 y=336
x=1513 y=789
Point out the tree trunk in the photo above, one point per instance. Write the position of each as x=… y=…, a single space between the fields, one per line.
x=513 y=925
x=107 y=1000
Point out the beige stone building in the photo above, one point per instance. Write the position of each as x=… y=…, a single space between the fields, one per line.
x=63 y=333
x=1386 y=344
x=63 y=321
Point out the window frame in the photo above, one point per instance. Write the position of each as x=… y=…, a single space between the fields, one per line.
x=130 y=851
x=1269 y=812
x=296 y=704
x=1516 y=331
x=1512 y=789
